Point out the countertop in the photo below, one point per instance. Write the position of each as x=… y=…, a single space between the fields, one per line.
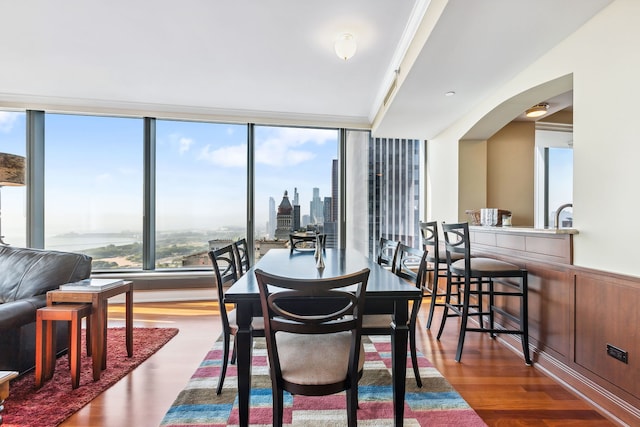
x=524 y=229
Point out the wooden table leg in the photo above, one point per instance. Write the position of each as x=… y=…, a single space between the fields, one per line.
x=96 y=339
x=88 y=334
x=129 y=321
x=244 y=346
x=400 y=332
x=49 y=349
x=105 y=305
x=75 y=351
x=40 y=351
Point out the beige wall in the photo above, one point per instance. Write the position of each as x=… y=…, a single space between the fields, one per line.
x=499 y=173
x=510 y=171
x=473 y=177
x=603 y=62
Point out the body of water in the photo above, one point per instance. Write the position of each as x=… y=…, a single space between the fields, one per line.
x=84 y=242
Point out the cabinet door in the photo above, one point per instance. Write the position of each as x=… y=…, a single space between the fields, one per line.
x=606 y=313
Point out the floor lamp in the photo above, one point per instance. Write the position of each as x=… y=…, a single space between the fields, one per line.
x=11 y=175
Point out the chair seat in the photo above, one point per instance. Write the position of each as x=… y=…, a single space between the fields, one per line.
x=442 y=256
x=376 y=321
x=305 y=360
x=256 y=322
x=485 y=267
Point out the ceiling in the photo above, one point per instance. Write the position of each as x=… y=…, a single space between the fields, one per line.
x=273 y=62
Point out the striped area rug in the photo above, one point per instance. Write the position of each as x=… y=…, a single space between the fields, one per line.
x=435 y=404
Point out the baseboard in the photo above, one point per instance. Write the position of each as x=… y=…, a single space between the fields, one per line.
x=168 y=295
x=607 y=403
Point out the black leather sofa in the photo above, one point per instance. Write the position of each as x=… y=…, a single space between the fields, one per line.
x=25 y=277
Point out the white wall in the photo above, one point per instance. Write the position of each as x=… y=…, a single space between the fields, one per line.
x=604 y=59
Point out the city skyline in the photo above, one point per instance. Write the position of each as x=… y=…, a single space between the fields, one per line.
x=99 y=160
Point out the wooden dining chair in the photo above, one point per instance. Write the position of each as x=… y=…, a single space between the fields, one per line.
x=225 y=271
x=305 y=242
x=437 y=265
x=314 y=353
x=241 y=253
x=411 y=265
x=386 y=251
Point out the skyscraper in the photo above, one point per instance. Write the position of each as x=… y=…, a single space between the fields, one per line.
x=394 y=191
x=316 y=207
x=271 y=229
x=327 y=209
x=296 y=218
x=334 y=192
x=284 y=218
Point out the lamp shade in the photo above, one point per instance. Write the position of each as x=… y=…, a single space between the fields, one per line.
x=345 y=46
x=12 y=171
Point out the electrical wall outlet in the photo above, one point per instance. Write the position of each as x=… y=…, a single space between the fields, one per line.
x=617 y=353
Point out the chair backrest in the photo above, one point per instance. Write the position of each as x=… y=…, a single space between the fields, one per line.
x=302 y=242
x=430 y=242
x=335 y=310
x=456 y=240
x=411 y=264
x=242 y=256
x=386 y=251
x=226 y=274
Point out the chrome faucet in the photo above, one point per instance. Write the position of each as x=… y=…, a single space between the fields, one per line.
x=560 y=209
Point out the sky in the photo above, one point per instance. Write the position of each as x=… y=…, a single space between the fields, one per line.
x=560 y=177
x=94 y=172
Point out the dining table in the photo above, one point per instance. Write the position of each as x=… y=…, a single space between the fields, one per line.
x=386 y=294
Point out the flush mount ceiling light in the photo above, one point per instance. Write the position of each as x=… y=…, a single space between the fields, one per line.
x=537 y=110
x=345 y=46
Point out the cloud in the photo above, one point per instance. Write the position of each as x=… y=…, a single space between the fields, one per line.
x=274 y=147
x=285 y=146
x=229 y=156
x=7 y=120
x=185 y=144
x=277 y=152
x=179 y=142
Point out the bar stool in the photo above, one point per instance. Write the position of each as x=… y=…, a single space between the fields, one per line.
x=45 y=331
x=479 y=272
x=437 y=261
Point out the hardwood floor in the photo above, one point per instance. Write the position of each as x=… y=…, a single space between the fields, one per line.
x=491 y=378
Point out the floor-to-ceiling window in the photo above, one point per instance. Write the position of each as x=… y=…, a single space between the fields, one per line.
x=149 y=194
x=394 y=191
x=296 y=188
x=12 y=193
x=93 y=188
x=201 y=190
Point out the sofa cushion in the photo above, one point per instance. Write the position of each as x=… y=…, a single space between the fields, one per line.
x=30 y=272
x=14 y=314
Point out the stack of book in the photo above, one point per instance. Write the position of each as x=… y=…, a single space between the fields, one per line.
x=91 y=285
